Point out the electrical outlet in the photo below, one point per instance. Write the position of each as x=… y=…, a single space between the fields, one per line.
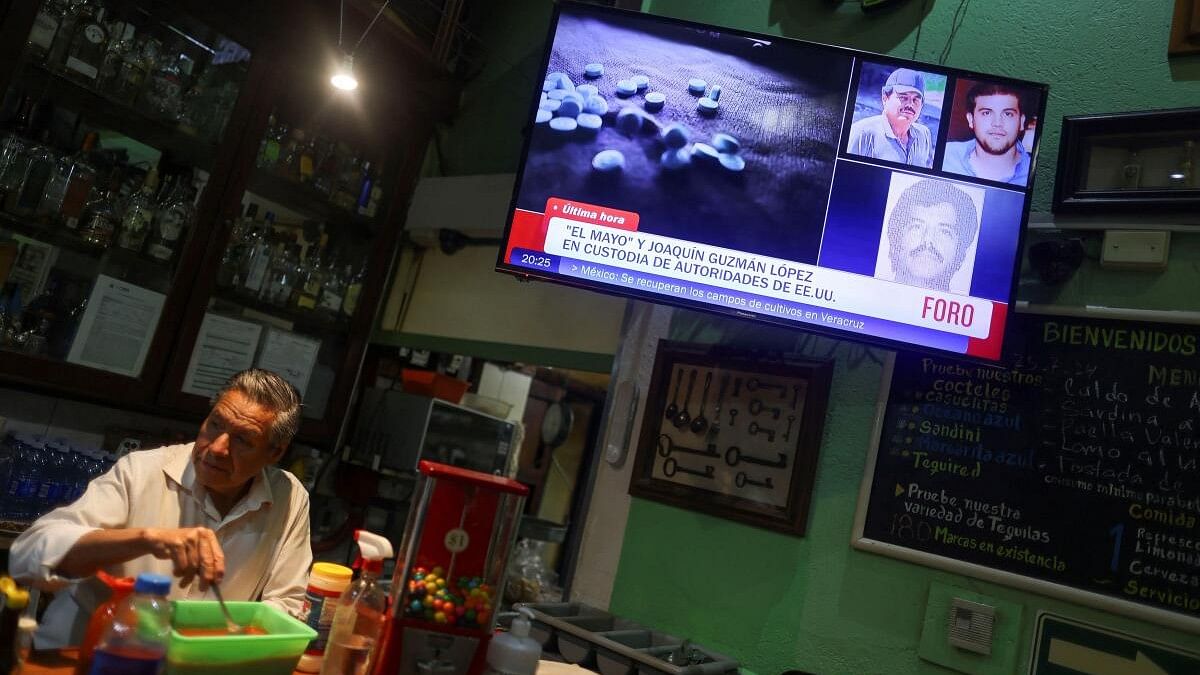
x=1135 y=249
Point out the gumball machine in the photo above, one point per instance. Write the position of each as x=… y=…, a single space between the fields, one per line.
x=450 y=572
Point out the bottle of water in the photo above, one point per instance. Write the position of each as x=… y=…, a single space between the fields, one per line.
x=25 y=479
x=53 y=475
x=136 y=641
x=6 y=465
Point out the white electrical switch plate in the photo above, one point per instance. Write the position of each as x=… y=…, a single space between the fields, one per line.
x=970 y=625
x=1135 y=249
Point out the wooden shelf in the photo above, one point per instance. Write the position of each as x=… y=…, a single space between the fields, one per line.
x=100 y=110
x=307 y=322
x=299 y=197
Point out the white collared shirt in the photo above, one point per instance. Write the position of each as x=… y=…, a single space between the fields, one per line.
x=264 y=537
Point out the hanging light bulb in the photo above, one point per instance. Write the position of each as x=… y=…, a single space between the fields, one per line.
x=344 y=78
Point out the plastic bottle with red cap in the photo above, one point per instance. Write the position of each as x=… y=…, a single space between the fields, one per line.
x=360 y=613
x=102 y=618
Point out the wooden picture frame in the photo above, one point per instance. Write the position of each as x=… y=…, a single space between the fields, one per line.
x=759 y=465
x=1129 y=162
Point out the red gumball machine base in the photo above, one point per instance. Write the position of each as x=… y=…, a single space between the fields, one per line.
x=451 y=570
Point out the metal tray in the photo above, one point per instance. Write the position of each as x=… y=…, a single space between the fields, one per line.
x=597 y=639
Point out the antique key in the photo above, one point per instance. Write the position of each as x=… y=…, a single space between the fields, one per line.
x=665 y=449
x=754 y=430
x=756 y=408
x=795 y=395
x=742 y=480
x=671 y=467
x=734 y=455
x=715 y=427
x=754 y=385
x=732 y=414
x=788 y=432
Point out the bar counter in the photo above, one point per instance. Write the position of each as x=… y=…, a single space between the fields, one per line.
x=61 y=662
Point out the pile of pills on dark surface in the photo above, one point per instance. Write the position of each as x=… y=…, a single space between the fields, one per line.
x=581 y=111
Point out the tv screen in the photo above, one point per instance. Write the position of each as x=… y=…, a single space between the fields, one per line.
x=777 y=180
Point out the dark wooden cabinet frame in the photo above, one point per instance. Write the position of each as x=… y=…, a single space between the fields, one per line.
x=804 y=446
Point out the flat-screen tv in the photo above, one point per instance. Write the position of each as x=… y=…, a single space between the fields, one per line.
x=776 y=180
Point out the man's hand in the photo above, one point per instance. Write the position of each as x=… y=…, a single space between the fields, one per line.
x=194 y=551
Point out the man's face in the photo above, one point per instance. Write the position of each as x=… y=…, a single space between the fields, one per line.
x=927 y=246
x=902 y=108
x=233 y=444
x=997 y=122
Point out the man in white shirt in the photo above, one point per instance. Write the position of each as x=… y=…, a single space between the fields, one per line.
x=895 y=134
x=215 y=510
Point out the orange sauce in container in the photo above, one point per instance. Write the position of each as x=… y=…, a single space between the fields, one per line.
x=219 y=632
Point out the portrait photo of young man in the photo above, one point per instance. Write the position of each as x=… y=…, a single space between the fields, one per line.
x=992 y=126
x=929 y=233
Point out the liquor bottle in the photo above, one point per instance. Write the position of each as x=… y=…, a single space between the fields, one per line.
x=174 y=218
x=119 y=47
x=281 y=275
x=61 y=45
x=88 y=44
x=332 y=292
x=268 y=153
x=79 y=184
x=289 y=163
x=366 y=181
x=98 y=224
x=1185 y=175
x=15 y=149
x=139 y=215
x=326 y=173
x=307 y=161
x=164 y=88
x=42 y=162
x=307 y=291
x=354 y=286
x=258 y=256
x=228 y=270
x=132 y=74
x=73 y=177
x=348 y=183
x=45 y=28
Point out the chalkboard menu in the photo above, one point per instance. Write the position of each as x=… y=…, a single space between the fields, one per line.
x=1072 y=470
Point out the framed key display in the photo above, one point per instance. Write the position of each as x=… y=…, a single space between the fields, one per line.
x=732 y=434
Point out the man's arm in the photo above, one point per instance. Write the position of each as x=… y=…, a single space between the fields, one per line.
x=76 y=540
x=195 y=551
x=36 y=554
x=288 y=576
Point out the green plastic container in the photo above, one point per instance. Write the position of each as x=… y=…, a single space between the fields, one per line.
x=275 y=653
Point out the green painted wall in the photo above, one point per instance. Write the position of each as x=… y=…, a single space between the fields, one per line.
x=778 y=602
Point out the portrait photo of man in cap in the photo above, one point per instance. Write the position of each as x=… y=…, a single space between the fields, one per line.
x=893 y=122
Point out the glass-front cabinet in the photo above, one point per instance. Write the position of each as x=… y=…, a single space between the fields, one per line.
x=183 y=195
x=290 y=277
x=111 y=125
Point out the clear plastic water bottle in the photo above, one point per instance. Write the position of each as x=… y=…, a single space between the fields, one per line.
x=53 y=475
x=6 y=464
x=24 y=479
x=135 y=643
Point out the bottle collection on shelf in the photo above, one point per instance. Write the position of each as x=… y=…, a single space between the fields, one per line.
x=336 y=172
x=84 y=192
x=275 y=267
x=107 y=52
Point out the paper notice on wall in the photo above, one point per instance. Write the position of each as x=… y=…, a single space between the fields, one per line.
x=117 y=327
x=224 y=346
x=290 y=355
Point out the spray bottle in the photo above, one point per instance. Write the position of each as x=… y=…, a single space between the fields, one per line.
x=514 y=652
x=360 y=613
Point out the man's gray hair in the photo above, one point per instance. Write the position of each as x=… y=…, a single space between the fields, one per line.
x=273 y=393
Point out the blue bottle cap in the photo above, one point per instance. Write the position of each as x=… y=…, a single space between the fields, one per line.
x=154 y=584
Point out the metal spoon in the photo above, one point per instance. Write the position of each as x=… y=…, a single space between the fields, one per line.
x=682 y=419
x=701 y=423
x=674 y=407
x=230 y=625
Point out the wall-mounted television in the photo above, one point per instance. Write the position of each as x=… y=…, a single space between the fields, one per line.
x=776 y=180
